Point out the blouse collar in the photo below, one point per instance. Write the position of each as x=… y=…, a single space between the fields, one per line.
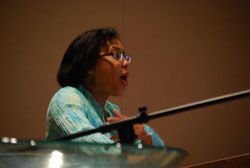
x=93 y=102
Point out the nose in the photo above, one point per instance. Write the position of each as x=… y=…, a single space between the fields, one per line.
x=125 y=63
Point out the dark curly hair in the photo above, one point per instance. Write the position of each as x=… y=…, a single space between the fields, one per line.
x=82 y=55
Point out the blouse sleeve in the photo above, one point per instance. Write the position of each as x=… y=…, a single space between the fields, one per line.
x=156 y=140
x=67 y=115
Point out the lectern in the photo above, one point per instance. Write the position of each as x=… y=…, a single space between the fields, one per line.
x=45 y=154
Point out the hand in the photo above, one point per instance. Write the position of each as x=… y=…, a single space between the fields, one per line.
x=138 y=128
x=117 y=117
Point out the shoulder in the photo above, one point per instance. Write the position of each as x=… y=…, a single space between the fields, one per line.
x=66 y=95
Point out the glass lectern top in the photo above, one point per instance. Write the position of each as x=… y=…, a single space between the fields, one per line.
x=48 y=154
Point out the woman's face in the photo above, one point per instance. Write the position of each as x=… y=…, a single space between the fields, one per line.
x=111 y=75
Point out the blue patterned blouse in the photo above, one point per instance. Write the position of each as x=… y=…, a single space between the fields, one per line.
x=74 y=109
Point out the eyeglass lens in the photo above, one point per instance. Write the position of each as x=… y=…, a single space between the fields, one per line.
x=121 y=56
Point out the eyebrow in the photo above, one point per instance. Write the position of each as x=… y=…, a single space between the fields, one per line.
x=117 y=48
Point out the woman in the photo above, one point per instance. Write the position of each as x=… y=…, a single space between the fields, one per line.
x=93 y=68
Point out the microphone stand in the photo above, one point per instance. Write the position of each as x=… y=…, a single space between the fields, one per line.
x=125 y=127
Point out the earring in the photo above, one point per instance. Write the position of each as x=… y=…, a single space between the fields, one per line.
x=91 y=73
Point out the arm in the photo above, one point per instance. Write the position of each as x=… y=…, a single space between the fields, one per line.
x=145 y=134
x=156 y=140
x=68 y=115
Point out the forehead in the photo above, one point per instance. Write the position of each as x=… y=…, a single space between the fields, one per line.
x=115 y=45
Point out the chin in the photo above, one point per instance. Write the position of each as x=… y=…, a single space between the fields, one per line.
x=119 y=93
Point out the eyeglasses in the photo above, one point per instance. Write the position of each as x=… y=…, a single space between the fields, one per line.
x=119 y=56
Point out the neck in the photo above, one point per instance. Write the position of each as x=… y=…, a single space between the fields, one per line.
x=99 y=96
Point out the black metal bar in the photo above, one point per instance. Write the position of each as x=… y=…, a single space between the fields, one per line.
x=144 y=117
x=199 y=104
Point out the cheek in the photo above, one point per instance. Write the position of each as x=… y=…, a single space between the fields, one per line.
x=114 y=76
x=113 y=79
x=119 y=86
x=107 y=76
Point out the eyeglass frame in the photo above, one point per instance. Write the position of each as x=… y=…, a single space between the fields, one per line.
x=121 y=56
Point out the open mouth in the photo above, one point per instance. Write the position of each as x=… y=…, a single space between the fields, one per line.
x=124 y=78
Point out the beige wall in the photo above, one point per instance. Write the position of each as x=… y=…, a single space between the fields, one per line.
x=183 y=51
